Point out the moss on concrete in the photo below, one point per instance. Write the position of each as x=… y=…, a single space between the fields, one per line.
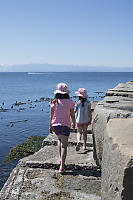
x=29 y=147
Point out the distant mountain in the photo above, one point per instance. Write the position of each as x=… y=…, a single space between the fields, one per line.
x=61 y=68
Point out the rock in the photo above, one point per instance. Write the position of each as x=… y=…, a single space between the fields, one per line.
x=31 y=107
x=3 y=109
x=32 y=145
x=37 y=101
x=99 y=93
x=21 y=109
x=19 y=103
x=42 y=99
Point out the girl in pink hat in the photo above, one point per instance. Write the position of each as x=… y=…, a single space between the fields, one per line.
x=62 y=108
x=83 y=116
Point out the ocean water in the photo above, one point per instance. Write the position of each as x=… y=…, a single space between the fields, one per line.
x=32 y=117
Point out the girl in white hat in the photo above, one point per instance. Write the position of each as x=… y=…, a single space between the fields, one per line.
x=83 y=116
x=62 y=108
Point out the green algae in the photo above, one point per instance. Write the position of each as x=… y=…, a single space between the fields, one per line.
x=32 y=174
x=29 y=147
x=59 y=195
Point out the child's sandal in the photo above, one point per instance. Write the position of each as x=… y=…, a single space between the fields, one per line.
x=59 y=161
x=61 y=170
x=78 y=146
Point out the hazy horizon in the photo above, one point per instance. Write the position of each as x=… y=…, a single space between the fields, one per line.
x=36 y=67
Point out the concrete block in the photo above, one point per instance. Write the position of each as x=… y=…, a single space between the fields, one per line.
x=117 y=160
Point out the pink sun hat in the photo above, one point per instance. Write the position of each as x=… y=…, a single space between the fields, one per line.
x=82 y=92
x=61 y=88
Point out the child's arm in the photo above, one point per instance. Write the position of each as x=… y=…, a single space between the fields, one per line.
x=51 y=116
x=75 y=109
x=90 y=114
x=72 y=114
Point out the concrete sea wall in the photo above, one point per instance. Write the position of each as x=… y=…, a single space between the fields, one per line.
x=113 y=139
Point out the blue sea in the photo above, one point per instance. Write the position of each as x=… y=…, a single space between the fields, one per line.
x=34 y=89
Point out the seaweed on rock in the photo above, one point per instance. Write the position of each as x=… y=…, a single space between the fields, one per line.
x=29 y=147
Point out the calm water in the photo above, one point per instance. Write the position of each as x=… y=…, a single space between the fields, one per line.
x=32 y=118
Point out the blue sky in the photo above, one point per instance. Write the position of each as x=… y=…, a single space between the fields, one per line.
x=76 y=32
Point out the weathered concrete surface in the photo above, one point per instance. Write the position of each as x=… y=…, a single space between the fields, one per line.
x=113 y=147
x=117 y=161
x=102 y=116
x=117 y=106
x=37 y=177
x=122 y=89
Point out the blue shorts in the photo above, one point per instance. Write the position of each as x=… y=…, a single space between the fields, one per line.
x=62 y=130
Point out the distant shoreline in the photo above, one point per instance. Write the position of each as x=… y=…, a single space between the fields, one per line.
x=39 y=72
x=36 y=67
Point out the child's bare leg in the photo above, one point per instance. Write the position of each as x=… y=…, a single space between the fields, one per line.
x=79 y=134
x=64 y=144
x=84 y=136
x=59 y=146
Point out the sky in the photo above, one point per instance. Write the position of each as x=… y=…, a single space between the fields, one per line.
x=69 y=32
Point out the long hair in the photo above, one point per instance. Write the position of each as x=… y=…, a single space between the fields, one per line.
x=82 y=100
x=60 y=96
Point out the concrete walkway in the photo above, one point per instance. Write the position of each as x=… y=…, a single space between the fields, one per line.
x=37 y=177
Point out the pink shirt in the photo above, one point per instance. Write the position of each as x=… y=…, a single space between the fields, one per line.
x=62 y=112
